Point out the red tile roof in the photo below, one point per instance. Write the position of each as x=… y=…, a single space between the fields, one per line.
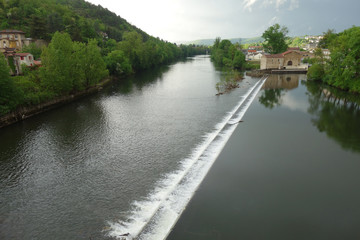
x=22 y=54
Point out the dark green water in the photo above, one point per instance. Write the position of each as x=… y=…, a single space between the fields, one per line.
x=289 y=171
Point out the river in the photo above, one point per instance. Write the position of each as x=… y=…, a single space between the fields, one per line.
x=129 y=159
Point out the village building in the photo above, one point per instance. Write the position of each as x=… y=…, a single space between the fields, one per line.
x=290 y=59
x=16 y=61
x=12 y=42
x=326 y=53
x=12 y=39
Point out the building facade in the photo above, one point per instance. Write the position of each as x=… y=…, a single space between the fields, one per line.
x=290 y=59
x=12 y=39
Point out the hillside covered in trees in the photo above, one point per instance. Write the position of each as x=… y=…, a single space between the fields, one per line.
x=82 y=20
x=86 y=44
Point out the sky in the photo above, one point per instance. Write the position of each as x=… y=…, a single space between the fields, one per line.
x=188 y=20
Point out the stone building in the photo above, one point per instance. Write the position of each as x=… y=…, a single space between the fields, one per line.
x=290 y=59
x=16 y=61
x=12 y=39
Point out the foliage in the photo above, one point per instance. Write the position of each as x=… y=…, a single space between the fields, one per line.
x=118 y=64
x=57 y=63
x=226 y=54
x=296 y=42
x=252 y=65
x=329 y=36
x=92 y=39
x=82 y=20
x=33 y=49
x=343 y=70
x=10 y=95
x=316 y=72
x=275 y=39
x=69 y=66
x=228 y=81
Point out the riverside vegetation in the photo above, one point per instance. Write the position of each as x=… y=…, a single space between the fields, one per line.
x=88 y=43
x=228 y=56
x=342 y=70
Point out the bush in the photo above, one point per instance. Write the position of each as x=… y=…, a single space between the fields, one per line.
x=316 y=72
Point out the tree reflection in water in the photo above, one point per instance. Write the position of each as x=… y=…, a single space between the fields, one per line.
x=337 y=113
x=271 y=97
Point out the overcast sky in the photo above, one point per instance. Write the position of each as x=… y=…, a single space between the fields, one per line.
x=186 y=20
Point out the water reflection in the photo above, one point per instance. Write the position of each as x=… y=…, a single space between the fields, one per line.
x=337 y=113
x=275 y=86
x=282 y=81
x=138 y=81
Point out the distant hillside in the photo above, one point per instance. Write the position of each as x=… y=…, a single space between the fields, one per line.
x=82 y=20
x=210 y=42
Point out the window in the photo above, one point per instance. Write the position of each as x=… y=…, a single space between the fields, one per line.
x=22 y=58
x=30 y=58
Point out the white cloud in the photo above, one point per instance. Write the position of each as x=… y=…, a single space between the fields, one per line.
x=279 y=3
x=294 y=4
x=248 y=4
x=292 y=103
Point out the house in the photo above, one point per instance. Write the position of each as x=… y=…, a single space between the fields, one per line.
x=290 y=59
x=17 y=60
x=326 y=53
x=24 y=58
x=11 y=39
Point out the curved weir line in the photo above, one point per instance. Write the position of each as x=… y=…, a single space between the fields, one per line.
x=161 y=208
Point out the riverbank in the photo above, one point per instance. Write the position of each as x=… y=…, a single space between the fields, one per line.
x=23 y=113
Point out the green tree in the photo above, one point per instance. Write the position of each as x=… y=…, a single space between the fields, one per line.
x=10 y=96
x=275 y=39
x=329 y=36
x=33 y=49
x=94 y=65
x=224 y=53
x=118 y=64
x=343 y=70
x=57 y=64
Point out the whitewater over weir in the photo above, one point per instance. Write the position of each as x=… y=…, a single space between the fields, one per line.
x=153 y=218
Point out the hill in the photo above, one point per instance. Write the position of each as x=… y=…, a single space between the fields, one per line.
x=40 y=19
x=210 y=42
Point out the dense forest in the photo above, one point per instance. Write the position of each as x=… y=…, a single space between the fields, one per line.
x=342 y=69
x=86 y=44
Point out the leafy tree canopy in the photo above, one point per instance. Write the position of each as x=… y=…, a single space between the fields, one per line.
x=275 y=39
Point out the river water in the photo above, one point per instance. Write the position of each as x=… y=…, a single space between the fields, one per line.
x=129 y=159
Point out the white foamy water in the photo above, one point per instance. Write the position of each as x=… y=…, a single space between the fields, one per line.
x=153 y=218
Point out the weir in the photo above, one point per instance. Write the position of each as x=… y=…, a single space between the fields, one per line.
x=153 y=218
